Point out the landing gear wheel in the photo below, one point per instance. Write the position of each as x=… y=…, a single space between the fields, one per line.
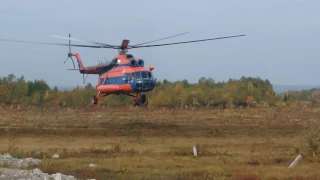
x=94 y=100
x=136 y=102
x=143 y=98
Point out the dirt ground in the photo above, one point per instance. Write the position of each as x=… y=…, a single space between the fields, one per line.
x=156 y=143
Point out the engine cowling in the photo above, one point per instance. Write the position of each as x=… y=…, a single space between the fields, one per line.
x=141 y=63
x=133 y=62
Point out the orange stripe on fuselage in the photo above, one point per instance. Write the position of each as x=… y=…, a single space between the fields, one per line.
x=123 y=88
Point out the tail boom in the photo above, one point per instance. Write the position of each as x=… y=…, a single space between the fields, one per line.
x=98 y=69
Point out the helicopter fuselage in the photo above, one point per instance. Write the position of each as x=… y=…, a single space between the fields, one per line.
x=126 y=79
x=123 y=75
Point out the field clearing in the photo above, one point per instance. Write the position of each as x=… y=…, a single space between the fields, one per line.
x=156 y=143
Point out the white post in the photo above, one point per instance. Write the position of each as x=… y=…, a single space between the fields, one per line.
x=295 y=161
x=195 y=151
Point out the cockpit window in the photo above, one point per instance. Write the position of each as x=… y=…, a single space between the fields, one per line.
x=144 y=74
x=131 y=77
x=138 y=75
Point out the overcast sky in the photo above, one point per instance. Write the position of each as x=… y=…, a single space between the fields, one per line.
x=282 y=42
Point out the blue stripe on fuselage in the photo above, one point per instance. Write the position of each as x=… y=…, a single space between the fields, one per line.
x=112 y=80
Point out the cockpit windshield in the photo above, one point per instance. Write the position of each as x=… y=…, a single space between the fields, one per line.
x=139 y=76
x=144 y=74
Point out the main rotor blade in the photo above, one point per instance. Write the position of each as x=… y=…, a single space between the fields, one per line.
x=59 y=44
x=73 y=39
x=188 y=41
x=160 y=39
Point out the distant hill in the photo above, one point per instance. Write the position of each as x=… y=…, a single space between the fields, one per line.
x=286 y=88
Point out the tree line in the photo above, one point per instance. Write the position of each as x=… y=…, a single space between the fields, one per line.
x=246 y=91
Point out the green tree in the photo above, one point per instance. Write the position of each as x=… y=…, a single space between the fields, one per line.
x=285 y=98
x=88 y=86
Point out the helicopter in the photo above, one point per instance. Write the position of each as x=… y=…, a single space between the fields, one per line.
x=125 y=74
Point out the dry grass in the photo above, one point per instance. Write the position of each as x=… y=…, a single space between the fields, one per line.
x=142 y=143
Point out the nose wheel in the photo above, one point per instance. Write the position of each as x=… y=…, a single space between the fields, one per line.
x=140 y=99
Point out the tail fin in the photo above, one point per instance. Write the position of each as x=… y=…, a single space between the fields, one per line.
x=80 y=64
x=81 y=67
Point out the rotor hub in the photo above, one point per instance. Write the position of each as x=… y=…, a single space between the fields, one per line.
x=122 y=51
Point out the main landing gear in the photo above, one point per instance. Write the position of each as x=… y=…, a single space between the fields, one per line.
x=96 y=98
x=140 y=99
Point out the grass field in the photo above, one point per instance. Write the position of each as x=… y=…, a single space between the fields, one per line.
x=156 y=143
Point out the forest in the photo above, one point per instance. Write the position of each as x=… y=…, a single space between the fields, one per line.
x=245 y=92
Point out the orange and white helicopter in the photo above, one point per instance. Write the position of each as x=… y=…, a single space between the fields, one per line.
x=125 y=74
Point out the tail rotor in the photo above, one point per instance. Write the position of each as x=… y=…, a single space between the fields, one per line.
x=69 y=54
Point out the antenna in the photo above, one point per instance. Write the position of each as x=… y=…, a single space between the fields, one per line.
x=69 y=54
